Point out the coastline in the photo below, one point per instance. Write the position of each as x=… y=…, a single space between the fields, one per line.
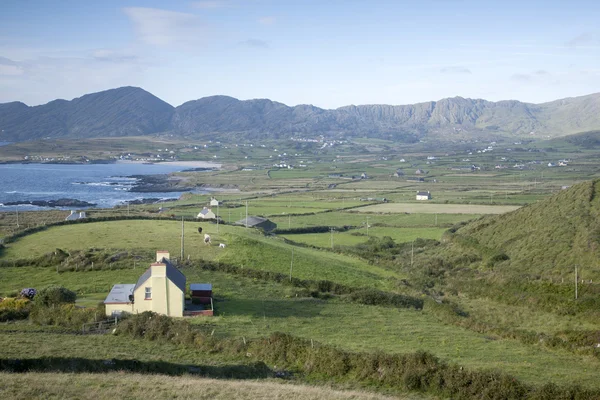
x=185 y=164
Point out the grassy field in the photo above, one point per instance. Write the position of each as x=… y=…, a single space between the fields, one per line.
x=245 y=247
x=117 y=385
x=356 y=236
x=432 y=208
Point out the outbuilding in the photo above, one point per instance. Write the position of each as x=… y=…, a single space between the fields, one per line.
x=422 y=195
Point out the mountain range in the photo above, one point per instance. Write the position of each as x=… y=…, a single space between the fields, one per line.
x=132 y=111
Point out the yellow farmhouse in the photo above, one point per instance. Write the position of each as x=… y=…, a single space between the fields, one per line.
x=160 y=289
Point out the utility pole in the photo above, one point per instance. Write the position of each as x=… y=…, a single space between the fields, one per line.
x=128 y=209
x=292 y=264
x=412 y=252
x=182 y=238
x=331 y=230
x=367 y=226
x=217 y=217
x=246 y=213
x=229 y=217
x=576 y=279
x=289 y=221
x=17 y=208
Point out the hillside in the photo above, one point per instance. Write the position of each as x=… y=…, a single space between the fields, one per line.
x=126 y=111
x=130 y=111
x=549 y=237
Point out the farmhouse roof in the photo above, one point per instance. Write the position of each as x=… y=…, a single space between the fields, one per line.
x=422 y=193
x=205 y=211
x=173 y=274
x=257 y=222
x=120 y=293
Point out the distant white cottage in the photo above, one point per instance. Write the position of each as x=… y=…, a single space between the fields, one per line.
x=422 y=195
x=75 y=215
x=214 y=202
x=206 y=213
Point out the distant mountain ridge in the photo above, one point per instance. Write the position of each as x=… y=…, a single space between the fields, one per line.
x=131 y=111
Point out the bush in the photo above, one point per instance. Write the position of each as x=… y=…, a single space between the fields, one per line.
x=55 y=295
x=66 y=315
x=14 y=309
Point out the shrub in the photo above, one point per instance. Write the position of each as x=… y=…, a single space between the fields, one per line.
x=55 y=295
x=14 y=309
x=66 y=315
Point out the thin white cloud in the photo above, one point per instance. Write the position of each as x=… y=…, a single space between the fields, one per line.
x=257 y=43
x=456 y=69
x=521 y=77
x=541 y=72
x=582 y=40
x=267 y=20
x=210 y=4
x=10 y=67
x=166 y=28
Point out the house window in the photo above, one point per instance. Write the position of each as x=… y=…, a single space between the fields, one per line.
x=148 y=294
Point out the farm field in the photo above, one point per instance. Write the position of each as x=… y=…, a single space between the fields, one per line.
x=245 y=247
x=356 y=236
x=432 y=208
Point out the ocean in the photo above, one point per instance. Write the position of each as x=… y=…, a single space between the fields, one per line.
x=106 y=185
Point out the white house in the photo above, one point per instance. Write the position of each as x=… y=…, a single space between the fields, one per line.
x=422 y=195
x=160 y=289
x=214 y=202
x=206 y=213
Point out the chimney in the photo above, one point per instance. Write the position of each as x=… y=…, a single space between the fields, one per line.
x=160 y=254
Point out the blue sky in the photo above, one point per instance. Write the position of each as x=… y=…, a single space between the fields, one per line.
x=326 y=53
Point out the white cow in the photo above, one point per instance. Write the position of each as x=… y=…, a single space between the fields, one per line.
x=222 y=245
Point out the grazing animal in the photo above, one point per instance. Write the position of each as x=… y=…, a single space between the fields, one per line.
x=200 y=229
x=222 y=245
x=207 y=239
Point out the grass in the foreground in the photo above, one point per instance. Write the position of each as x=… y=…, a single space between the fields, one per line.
x=115 y=385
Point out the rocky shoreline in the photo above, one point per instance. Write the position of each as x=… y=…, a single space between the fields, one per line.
x=52 y=203
x=157 y=183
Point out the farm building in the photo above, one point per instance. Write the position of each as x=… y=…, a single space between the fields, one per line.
x=75 y=215
x=422 y=195
x=420 y=172
x=214 y=202
x=206 y=213
x=257 y=222
x=160 y=289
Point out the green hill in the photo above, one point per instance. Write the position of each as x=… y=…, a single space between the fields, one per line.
x=547 y=238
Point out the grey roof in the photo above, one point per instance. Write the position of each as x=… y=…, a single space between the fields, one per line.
x=120 y=293
x=174 y=275
x=422 y=193
x=204 y=211
x=252 y=221
x=200 y=286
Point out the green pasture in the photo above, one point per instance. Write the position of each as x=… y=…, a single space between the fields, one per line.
x=356 y=218
x=357 y=236
x=245 y=247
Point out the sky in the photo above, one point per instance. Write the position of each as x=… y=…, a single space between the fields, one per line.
x=328 y=53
